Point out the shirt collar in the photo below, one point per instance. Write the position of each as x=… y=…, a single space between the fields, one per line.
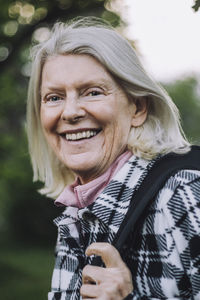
x=80 y=196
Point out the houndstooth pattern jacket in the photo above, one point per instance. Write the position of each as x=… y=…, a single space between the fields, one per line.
x=164 y=256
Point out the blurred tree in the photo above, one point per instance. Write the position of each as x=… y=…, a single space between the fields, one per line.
x=20 y=19
x=24 y=214
x=196 y=5
x=186 y=94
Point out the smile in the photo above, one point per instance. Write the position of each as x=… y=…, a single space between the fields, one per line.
x=81 y=135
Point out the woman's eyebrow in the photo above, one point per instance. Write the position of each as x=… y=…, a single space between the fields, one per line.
x=52 y=89
x=99 y=82
x=85 y=82
x=94 y=82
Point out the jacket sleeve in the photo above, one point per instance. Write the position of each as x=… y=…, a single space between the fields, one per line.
x=182 y=212
x=180 y=207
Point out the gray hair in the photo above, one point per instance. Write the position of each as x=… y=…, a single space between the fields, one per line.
x=161 y=132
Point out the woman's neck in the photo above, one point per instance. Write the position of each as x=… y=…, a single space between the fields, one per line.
x=83 y=195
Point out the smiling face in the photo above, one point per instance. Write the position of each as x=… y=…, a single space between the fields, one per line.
x=86 y=117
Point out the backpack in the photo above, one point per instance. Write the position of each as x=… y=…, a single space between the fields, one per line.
x=163 y=168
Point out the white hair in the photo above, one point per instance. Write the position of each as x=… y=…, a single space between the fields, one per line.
x=161 y=132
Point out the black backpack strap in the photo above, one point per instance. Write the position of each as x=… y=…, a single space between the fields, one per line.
x=152 y=183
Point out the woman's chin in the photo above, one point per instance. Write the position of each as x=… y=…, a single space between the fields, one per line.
x=84 y=164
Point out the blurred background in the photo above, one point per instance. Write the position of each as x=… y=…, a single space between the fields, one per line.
x=27 y=233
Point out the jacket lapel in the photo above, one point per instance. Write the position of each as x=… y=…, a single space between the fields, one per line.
x=112 y=204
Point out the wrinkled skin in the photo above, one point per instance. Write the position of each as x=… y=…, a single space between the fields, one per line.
x=111 y=283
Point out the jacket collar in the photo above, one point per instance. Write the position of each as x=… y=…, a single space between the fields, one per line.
x=112 y=204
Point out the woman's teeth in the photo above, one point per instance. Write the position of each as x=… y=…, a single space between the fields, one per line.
x=80 y=135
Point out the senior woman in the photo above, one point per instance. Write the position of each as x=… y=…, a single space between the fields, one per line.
x=96 y=125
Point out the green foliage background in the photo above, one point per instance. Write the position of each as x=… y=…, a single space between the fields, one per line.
x=27 y=234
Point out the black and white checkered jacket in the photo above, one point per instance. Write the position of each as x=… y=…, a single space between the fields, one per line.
x=164 y=257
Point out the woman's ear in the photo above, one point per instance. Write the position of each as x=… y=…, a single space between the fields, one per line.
x=141 y=111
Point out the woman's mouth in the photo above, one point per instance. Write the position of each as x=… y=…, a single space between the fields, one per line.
x=86 y=134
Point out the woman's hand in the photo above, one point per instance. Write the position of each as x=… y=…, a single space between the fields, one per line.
x=113 y=282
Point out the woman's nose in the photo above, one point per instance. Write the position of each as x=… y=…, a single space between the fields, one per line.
x=72 y=111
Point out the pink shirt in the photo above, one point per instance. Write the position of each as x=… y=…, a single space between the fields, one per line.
x=80 y=196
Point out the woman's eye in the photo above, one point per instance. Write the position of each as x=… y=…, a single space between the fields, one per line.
x=54 y=98
x=94 y=93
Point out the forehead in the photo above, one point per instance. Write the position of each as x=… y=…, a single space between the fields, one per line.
x=73 y=67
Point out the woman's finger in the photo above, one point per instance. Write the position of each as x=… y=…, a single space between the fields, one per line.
x=115 y=279
x=89 y=291
x=93 y=274
x=108 y=253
